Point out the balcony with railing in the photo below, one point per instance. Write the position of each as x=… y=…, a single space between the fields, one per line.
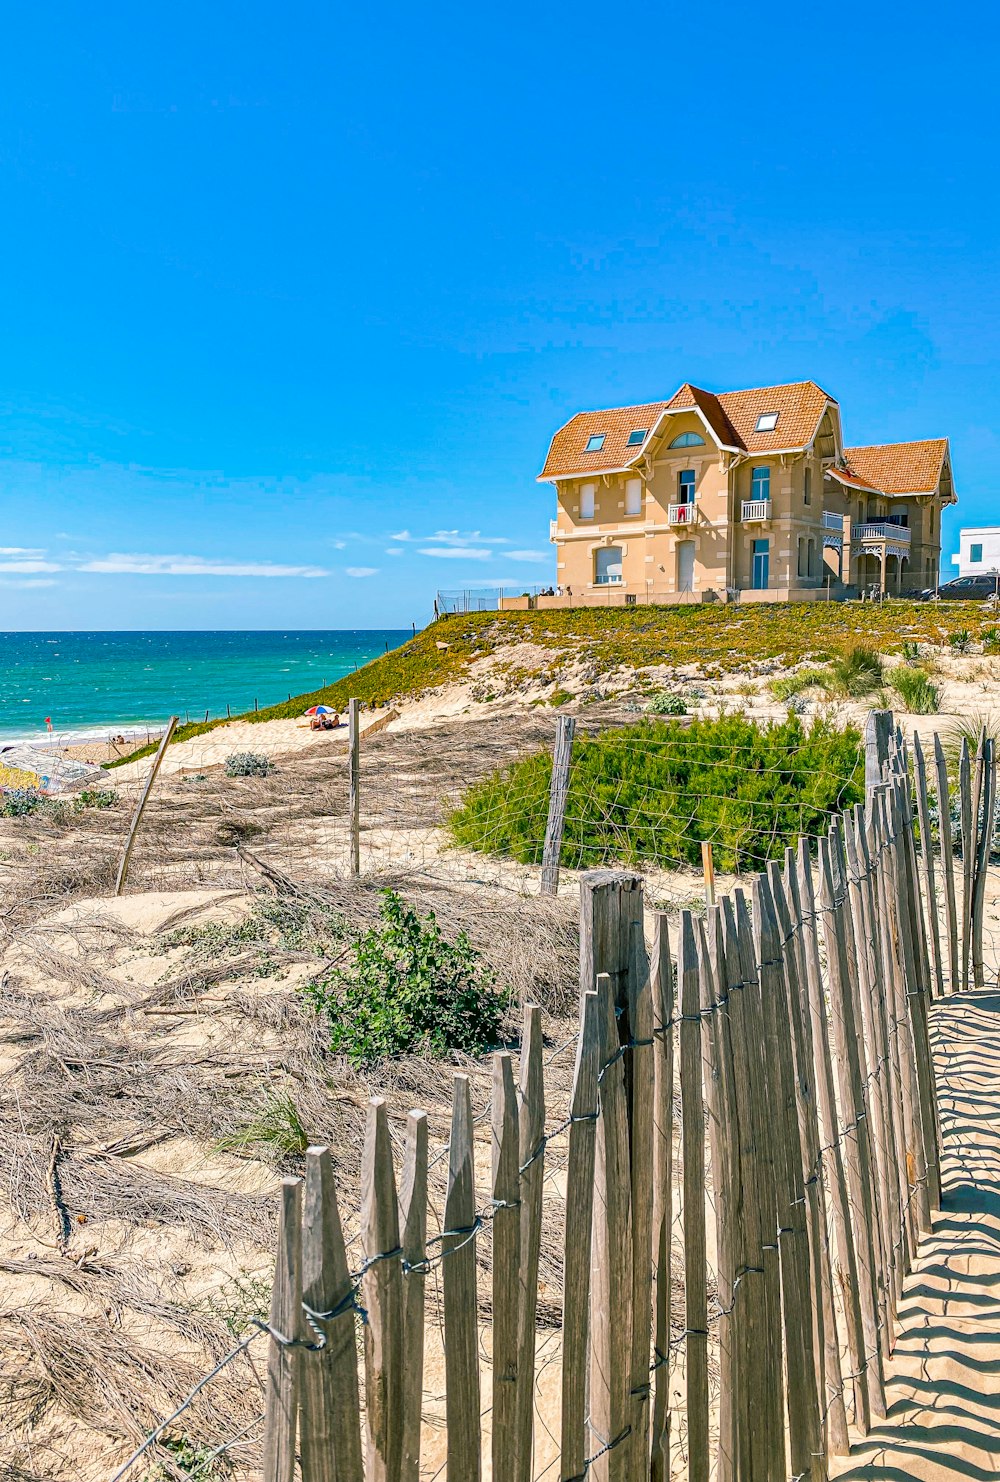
x=681 y=514
x=877 y=532
x=833 y=521
x=755 y=511
x=833 y=531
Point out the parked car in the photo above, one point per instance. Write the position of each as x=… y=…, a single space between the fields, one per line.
x=966 y=589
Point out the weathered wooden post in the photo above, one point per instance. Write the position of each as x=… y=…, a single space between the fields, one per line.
x=878 y=731
x=353 y=785
x=558 y=793
x=141 y=806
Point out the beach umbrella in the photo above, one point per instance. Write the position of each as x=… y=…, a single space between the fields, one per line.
x=320 y=710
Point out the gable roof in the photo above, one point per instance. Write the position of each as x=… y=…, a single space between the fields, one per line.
x=900 y=468
x=731 y=418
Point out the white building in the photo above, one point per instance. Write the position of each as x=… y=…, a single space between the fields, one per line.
x=979 y=550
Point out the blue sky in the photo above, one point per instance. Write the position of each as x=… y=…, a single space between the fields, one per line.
x=292 y=298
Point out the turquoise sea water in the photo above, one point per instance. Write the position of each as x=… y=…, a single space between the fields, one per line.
x=93 y=683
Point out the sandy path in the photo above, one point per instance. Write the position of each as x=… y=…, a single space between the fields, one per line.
x=944 y=1390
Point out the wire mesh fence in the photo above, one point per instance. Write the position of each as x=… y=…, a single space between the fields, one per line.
x=852 y=920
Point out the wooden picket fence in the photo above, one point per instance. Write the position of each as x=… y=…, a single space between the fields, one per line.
x=733 y=1254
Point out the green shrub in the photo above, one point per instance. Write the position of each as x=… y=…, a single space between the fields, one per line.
x=559 y=697
x=960 y=641
x=653 y=791
x=911 y=652
x=18 y=802
x=858 y=673
x=786 y=686
x=96 y=797
x=409 y=989
x=247 y=764
x=915 y=690
x=990 y=639
x=667 y=704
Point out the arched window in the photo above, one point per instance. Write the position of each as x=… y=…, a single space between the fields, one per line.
x=688 y=440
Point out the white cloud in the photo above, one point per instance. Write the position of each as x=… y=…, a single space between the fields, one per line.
x=339 y=545
x=401 y=535
x=394 y=550
x=119 y=564
x=458 y=552
x=20 y=550
x=28 y=582
x=465 y=537
x=24 y=567
x=529 y=555
x=361 y=570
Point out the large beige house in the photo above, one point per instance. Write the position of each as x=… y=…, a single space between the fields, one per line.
x=745 y=495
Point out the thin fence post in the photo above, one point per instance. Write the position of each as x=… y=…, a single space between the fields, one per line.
x=695 y=1265
x=855 y=1131
x=576 y=1253
x=719 y=1127
x=413 y=1225
x=989 y=794
x=611 y=1266
x=663 y=1145
x=829 y=1375
x=383 y=1300
x=461 y=1305
x=531 y=1145
x=754 y=1338
x=708 y=871
x=927 y=858
x=772 y=1408
x=947 y=848
x=506 y=1267
x=330 y=1440
x=558 y=792
x=141 y=806
x=968 y=854
x=354 y=785
x=832 y=1149
x=639 y=1079
x=802 y=1396
x=282 y=1393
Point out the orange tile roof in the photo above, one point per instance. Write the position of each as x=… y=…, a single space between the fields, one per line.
x=900 y=468
x=567 y=451
x=799 y=406
x=732 y=417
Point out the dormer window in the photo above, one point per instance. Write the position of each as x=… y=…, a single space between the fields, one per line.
x=595 y=442
x=766 y=422
x=688 y=440
x=636 y=438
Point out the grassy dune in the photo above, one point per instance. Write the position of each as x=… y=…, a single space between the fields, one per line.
x=719 y=639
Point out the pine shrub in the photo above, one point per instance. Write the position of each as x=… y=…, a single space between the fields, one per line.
x=651 y=792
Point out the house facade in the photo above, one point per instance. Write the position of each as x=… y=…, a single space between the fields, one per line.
x=978 y=551
x=746 y=495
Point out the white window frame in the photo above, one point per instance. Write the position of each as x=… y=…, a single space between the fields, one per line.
x=767 y=422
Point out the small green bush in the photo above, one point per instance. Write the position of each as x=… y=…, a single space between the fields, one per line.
x=961 y=641
x=667 y=704
x=786 y=686
x=654 y=790
x=96 y=797
x=247 y=764
x=18 y=802
x=911 y=652
x=990 y=639
x=915 y=690
x=858 y=673
x=559 y=697
x=409 y=989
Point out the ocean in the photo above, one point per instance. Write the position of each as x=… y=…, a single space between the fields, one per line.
x=96 y=683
